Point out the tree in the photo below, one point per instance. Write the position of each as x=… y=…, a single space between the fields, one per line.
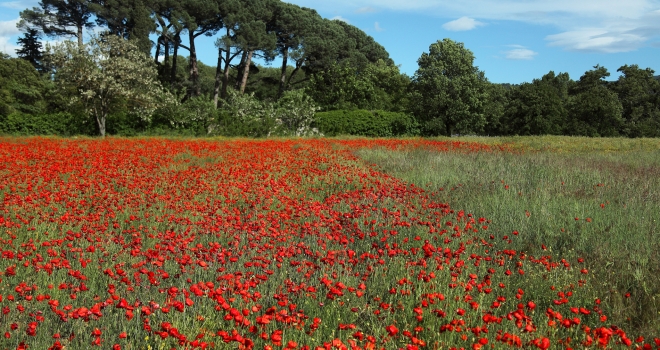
x=198 y=17
x=361 y=49
x=288 y=23
x=377 y=86
x=129 y=19
x=322 y=42
x=252 y=34
x=594 y=110
x=21 y=87
x=107 y=72
x=448 y=91
x=245 y=26
x=639 y=93
x=58 y=18
x=494 y=109
x=538 y=108
x=31 y=49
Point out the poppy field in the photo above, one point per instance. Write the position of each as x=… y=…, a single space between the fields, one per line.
x=288 y=244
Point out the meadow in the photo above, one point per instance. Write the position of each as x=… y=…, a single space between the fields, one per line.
x=329 y=243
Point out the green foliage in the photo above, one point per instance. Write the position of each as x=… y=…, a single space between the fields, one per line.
x=31 y=49
x=594 y=110
x=58 y=18
x=244 y=115
x=448 y=91
x=62 y=124
x=639 y=94
x=538 y=108
x=294 y=114
x=494 y=109
x=377 y=86
x=366 y=123
x=109 y=73
x=21 y=87
x=130 y=19
x=361 y=49
x=264 y=82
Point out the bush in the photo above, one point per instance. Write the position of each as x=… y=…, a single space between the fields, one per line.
x=366 y=123
x=294 y=114
x=62 y=123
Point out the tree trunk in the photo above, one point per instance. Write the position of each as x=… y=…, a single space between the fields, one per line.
x=166 y=49
x=80 y=37
x=225 y=75
x=194 y=71
x=246 y=71
x=285 y=57
x=100 y=120
x=157 y=49
x=239 y=73
x=177 y=40
x=218 y=79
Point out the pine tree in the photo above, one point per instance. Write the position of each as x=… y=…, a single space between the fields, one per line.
x=31 y=48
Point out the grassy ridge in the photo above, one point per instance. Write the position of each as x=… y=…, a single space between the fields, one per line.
x=596 y=199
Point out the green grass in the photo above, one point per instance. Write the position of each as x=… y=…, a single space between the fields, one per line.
x=597 y=199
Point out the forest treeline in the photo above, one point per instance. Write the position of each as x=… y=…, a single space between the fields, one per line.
x=140 y=75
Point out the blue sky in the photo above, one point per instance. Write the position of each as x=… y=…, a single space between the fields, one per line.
x=513 y=41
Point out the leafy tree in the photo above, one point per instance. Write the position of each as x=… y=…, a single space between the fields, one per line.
x=108 y=72
x=245 y=34
x=448 y=90
x=323 y=40
x=264 y=81
x=639 y=93
x=252 y=34
x=294 y=114
x=59 y=18
x=538 y=108
x=31 y=49
x=363 y=49
x=129 y=19
x=244 y=115
x=494 y=108
x=378 y=85
x=594 y=110
x=288 y=23
x=330 y=46
x=21 y=87
x=199 y=17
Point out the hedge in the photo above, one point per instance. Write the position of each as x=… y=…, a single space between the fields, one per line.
x=366 y=123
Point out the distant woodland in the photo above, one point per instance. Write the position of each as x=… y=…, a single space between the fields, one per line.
x=140 y=76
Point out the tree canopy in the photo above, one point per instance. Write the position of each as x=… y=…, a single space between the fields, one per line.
x=448 y=90
x=336 y=65
x=107 y=72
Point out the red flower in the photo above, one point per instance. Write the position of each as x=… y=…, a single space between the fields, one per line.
x=392 y=330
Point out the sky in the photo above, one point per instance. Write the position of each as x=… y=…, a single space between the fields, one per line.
x=513 y=41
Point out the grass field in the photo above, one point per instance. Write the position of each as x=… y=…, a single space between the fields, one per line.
x=598 y=199
x=329 y=243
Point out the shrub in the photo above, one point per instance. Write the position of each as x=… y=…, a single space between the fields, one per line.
x=294 y=114
x=366 y=123
x=62 y=123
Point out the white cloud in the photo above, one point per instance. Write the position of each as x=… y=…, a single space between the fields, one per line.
x=581 y=25
x=8 y=28
x=461 y=24
x=8 y=47
x=613 y=36
x=7 y=31
x=377 y=27
x=366 y=9
x=340 y=18
x=520 y=53
x=19 y=5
